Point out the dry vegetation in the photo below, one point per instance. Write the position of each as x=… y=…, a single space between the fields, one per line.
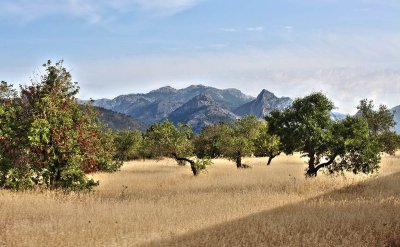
x=159 y=203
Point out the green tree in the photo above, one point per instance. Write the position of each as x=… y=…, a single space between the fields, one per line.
x=13 y=156
x=208 y=142
x=380 y=125
x=266 y=144
x=59 y=140
x=165 y=140
x=306 y=127
x=129 y=144
x=240 y=138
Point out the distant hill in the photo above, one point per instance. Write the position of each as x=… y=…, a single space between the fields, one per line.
x=201 y=111
x=396 y=113
x=263 y=105
x=118 y=121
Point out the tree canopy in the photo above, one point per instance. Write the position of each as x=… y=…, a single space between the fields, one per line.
x=307 y=127
x=380 y=124
x=239 y=139
x=47 y=138
x=165 y=140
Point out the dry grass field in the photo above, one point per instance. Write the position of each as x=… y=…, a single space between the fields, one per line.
x=161 y=204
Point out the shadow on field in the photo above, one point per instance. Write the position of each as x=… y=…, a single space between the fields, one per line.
x=365 y=214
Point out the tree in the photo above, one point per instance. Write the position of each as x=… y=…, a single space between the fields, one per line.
x=13 y=156
x=59 y=140
x=266 y=144
x=380 y=125
x=306 y=127
x=129 y=144
x=240 y=138
x=165 y=140
x=208 y=142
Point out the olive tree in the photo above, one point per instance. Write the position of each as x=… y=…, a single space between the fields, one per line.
x=239 y=139
x=380 y=125
x=209 y=142
x=343 y=145
x=165 y=140
x=266 y=144
x=128 y=144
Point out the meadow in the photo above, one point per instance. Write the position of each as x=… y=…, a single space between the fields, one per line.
x=157 y=203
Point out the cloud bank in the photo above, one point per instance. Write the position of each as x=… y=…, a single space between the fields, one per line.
x=346 y=68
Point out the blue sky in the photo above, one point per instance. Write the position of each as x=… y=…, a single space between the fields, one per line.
x=348 y=49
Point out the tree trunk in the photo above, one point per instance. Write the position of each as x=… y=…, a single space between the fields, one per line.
x=239 y=162
x=271 y=156
x=311 y=172
x=191 y=162
x=270 y=160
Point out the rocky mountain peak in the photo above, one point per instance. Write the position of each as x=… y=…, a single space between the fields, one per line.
x=265 y=95
x=263 y=105
x=166 y=89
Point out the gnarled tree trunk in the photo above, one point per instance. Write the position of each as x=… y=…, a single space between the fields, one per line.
x=191 y=162
x=271 y=157
x=270 y=160
x=313 y=170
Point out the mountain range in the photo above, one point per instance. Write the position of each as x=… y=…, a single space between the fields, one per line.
x=196 y=105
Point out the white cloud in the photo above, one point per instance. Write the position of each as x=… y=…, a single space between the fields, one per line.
x=228 y=29
x=255 y=29
x=91 y=10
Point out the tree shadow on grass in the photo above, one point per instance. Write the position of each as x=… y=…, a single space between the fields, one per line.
x=365 y=214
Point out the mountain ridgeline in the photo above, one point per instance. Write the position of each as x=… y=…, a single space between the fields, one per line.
x=196 y=105
x=118 y=121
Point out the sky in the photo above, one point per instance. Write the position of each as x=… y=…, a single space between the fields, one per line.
x=347 y=49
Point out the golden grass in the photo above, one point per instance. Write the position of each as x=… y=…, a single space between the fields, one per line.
x=162 y=204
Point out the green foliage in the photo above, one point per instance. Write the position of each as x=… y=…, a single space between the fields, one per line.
x=165 y=140
x=389 y=141
x=128 y=145
x=344 y=145
x=266 y=144
x=380 y=123
x=47 y=138
x=202 y=164
x=76 y=180
x=208 y=142
x=16 y=180
x=239 y=139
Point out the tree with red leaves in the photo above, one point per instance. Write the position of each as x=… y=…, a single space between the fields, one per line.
x=60 y=141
